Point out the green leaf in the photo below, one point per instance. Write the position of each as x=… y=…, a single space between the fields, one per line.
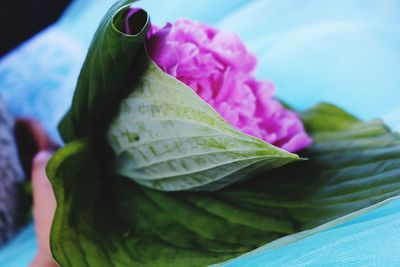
x=164 y=135
x=111 y=64
x=327 y=117
x=167 y=138
x=108 y=220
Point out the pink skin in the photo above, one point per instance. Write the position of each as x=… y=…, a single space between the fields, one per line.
x=218 y=67
x=44 y=205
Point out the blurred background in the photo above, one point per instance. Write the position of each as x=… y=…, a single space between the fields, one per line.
x=341 y=51
x=28 y=18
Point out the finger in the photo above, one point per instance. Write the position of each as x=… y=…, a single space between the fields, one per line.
x=44 y=205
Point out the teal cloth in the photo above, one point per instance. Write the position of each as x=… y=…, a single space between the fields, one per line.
x=341 y=51
x=370 y=240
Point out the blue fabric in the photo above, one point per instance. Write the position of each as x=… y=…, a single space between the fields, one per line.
x=341 y=51
x=21 y=250
x=370 y=240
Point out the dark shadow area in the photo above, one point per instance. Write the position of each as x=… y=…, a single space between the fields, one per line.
x=20 y=20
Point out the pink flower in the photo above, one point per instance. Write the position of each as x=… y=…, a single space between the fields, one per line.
x=218 y=67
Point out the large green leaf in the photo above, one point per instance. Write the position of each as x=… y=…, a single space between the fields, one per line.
x=104 y=219
x=167 y=138
x=108 y=220
x=110 y=68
